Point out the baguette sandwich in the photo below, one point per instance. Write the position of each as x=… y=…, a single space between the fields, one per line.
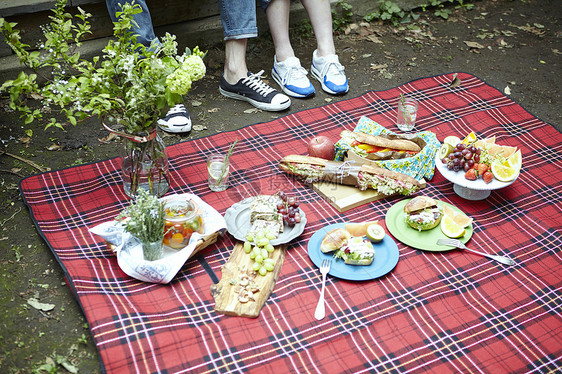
x=313 y=169
x=367 y=145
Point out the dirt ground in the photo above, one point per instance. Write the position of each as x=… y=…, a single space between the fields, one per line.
x=518 y=50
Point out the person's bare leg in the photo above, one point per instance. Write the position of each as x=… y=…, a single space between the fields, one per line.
x=235 y=67
x=320 y=15
x=277 y=14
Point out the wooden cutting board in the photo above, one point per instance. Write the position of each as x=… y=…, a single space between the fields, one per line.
x=343 y=197
x=225 y=295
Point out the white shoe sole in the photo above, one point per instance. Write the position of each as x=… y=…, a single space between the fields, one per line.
x=278 y=79
x=316 y=74
x=257 y=104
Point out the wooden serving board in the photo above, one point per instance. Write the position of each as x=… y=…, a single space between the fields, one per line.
x=343 y=197
x=224 y=293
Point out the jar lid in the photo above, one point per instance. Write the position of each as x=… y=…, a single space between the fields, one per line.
x=180 y=210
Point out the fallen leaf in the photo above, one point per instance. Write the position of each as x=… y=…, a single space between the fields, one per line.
x=196 y=103
x=24 y=140
x=456 y=82
x=39 y=305
x=328 y=99
x=199 y=127
x=374 y=39
x=36 y=96
x=251 y=111
x=366 y=55
x=556 y=52
x=15 y=170
x=213 y=110
x=474 y=44
x=54 y=147
x=379 y=66
x=507 y=90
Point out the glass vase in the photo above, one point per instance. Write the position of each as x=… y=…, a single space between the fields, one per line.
x=145 y=165
x=152 y=250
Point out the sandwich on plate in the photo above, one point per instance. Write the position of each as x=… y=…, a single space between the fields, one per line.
x=354 y=250
x=379 y=147
x=422 y=213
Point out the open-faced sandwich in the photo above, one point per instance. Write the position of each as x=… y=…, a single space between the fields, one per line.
x=354 y=250
x=422 y=213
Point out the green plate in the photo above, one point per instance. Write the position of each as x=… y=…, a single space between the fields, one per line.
x=426 y=240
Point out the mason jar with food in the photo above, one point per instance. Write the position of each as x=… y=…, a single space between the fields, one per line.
x=182 y=220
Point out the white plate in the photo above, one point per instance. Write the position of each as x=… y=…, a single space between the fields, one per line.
x=237 y=219
x=470 y=190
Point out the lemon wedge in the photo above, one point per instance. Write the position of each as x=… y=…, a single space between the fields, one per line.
x=375 y=233
x=460 y=218
x=450 y=228
x=452 y=141
x=515 y=160
x=470 y=138
x=502 y=172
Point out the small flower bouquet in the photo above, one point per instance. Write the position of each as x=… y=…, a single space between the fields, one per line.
x=129 y=87
x=145 y=220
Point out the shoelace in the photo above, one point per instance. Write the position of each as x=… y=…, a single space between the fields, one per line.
x=333 y=67
x=297 y=72
x=255 y=83
x=178 y=108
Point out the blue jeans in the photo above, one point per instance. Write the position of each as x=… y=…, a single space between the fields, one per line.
x=144 y=31
x=238 y=19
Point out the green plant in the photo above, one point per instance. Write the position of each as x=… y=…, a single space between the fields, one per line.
x=145 y=218
x=130 y=85
x=342 y=15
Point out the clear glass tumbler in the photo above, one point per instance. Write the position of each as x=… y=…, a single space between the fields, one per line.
x=407 y=112
x=219 y=171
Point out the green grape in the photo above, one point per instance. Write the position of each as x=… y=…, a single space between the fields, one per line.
x=247 y=247
x=258 y=259
x=256 y=251
x=268 y=266
x=269 y=261
x=264 y=253
x=263 y=271
x=263 y=242
x=252 y=255
x=256 y=267
x=269 y=248
x=260 y=235
x=270 y=235
x=250 y=237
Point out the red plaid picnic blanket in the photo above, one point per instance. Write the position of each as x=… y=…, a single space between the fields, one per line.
x=435 y=311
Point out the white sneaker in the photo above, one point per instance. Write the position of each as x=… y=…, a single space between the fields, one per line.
x=291 y=76
x=330 y=73
x=177 y=120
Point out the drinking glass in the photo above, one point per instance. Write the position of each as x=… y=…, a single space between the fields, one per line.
x=407 y=112
x=219 y=171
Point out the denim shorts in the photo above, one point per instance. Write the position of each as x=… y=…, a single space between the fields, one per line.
x=238 y=19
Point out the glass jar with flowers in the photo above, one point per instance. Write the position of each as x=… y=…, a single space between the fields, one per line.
x=145 y=219
x=129 y=87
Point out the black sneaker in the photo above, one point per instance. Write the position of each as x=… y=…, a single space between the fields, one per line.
x=256 y=92
x=177 y=120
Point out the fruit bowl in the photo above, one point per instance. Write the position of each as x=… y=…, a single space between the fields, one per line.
x=467 y=189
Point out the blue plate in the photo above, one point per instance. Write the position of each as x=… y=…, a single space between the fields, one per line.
x=386 y=257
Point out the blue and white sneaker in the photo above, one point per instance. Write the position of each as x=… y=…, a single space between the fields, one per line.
x=330 y=73
x=177 y=120
x=291 y=76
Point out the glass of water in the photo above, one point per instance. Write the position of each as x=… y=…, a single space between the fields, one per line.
x=219 y=171
x=407 y=112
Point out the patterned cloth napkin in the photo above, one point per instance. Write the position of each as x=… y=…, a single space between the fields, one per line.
x=419 y=166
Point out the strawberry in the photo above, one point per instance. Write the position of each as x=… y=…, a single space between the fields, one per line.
x=470 y=175
x=488 y=176
x=482 y=168
x=475 y=166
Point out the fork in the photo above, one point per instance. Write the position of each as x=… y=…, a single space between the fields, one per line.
x=457 y=243
x=320 y=312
